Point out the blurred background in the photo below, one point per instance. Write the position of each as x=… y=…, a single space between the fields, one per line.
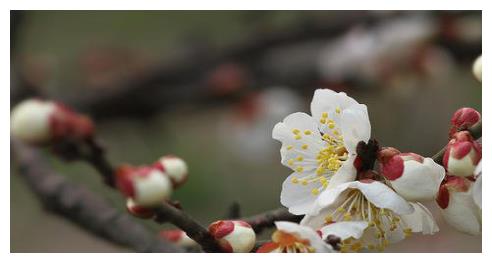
x=209 y=86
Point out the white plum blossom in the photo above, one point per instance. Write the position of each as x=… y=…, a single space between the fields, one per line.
x=458 y=207
x=367 y=215
x=294 y=238
x=413 y=177
x=477 y=186
x=320 y=148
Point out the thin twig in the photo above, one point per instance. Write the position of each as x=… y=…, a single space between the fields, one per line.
x=267 y=219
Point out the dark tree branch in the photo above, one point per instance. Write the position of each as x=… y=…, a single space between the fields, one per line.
x=167 y=213
x=83 y=207
x=267 y=219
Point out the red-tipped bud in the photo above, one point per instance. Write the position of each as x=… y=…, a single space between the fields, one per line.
x=147 y=186
x=463 y=119
x=386 y=153
x=233 y=236
x=412 y=176
x=175 y=168
x=138 y=211
x=457 y=206
x=178 y=237
x=462 y=155
x=40 y=122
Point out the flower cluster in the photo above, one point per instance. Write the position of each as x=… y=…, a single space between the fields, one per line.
x=345 y=184
x=460 y=193
x=149 y=185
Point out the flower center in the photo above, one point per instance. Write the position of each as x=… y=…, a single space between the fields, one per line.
x=290 y=243
x=380 y=222
x=328 y=160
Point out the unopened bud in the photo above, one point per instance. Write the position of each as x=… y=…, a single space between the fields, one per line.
x=462 y=155
x=387 y=153
x=30 y=121
x=457 y=206
x=138 y=211
x=40 y=122
x=147 y=186
x=175 y=168
x=463 y=119
x=413 y=177
x=477 y=68
x=233 y=236
x=178 y=237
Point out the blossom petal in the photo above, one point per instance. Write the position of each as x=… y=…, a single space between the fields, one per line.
x=305 y=233
x=377 y=193
x=355 y=126
x=297 y=197
x=462 y=214
x=477 y=186
x=346 y=173
x=295 y=145
x=477 y=192
x=344 y=230
x=326 y=100
x=421 y=220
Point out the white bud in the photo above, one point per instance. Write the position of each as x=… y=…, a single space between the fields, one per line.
x=30 y=121
x=233 y=236
x=152 y=189
x=457 y=206
x=477 y=68
x=176 y=168
x=414 y=177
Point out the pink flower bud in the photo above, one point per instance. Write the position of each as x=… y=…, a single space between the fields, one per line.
x=462 y=155
x=462 y=119
x=233 y=236
x=175 y=168
x=147 y=186
x=138 y=211
x=457 y=206
x=178 y=237
x=412 y=176
x=40 y=122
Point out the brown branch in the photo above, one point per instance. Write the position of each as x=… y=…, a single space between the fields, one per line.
x=83 y=207
x=267 y=219
x=476 y=133
x=167 y=213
